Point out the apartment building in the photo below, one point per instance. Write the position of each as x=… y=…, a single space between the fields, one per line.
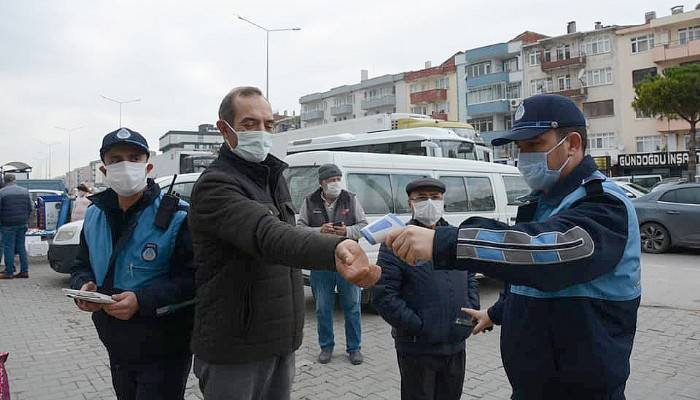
x=433 y=90
x=491 y=87
x=383 y=94
x=648 y=49
x=581 y=65
x=206 y=138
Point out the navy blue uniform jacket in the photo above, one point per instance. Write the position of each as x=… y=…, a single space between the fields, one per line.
x=422 y=304
x=572 y=273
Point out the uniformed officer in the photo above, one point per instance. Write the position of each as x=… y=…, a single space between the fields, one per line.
x=146 y=266
x=570 y=263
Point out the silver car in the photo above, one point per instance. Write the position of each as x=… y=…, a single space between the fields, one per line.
x=669 y=216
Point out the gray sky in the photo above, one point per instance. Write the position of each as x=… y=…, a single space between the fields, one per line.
x=180 y=58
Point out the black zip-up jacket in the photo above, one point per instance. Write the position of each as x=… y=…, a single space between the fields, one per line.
x=422 y=304
x=144 y=337
x=250 y=303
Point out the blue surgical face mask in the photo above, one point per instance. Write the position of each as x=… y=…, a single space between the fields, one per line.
x=535 y=170
x=253 y=146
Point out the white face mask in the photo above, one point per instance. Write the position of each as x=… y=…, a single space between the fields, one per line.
x=126 y=178
x=428 y=212
x=332 y=189
x=253 y=146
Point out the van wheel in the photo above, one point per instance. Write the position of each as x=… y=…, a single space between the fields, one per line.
x=655 y=238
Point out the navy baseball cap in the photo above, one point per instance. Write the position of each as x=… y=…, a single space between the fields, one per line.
x=123 y=136
x=540 y=113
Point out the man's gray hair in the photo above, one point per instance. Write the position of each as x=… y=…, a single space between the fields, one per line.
x=226 y=109
x=9 y=178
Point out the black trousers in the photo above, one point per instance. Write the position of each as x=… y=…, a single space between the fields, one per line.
x=161 y=380
x=431 y=377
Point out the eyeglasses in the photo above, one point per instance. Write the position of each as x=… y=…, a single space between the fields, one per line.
x=418 y=199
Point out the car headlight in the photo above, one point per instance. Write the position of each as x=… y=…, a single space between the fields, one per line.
x=65 y=235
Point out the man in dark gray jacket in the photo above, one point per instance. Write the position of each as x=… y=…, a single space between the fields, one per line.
x=249 y=316
x=15 y=208
x=424 y=308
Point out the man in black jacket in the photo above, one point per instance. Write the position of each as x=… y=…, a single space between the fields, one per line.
x=249 y=316
x=423 y=306
x=144 y=267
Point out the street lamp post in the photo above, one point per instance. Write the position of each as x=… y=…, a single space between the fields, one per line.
x=69 y=131
x=267 y=50
x=120 y=105
x=49 y=145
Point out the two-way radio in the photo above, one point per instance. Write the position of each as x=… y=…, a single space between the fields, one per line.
x=168 y=207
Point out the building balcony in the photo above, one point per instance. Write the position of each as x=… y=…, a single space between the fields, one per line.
x=378 y=102
x=672 y=125
x=312 y=115
x=676 y=52
x=490 y=108
x=489 y=79
x=341 y=109
x=572 y=62
x=577 y=93
x=440 y=116
x=495 y=51
x=429 y=96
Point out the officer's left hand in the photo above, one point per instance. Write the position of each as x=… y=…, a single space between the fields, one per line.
x=125 y=307
x=412 y=244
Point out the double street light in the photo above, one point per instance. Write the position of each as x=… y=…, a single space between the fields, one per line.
x=121 y=103
x=267 y=50
x=49 y=145
x=69 y=131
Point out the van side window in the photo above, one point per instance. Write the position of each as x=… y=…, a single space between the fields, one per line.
x=373 y=192
x=302 y=182
x=456 y=194
x=480 y=194
x=412 y=148
x=381 y=148
x=398 y=184
x=516 y=187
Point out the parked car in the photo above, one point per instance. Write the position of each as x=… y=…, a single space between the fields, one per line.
x=669 y=217
x=632 y=190
x=642 y=180
x=64 y=248
x=668 y=182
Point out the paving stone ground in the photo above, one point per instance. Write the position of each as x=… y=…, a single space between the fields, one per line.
x=55 y=352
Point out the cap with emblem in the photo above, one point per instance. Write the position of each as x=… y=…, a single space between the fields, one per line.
x=123 y=136
x=538 y=114
x=425 y=183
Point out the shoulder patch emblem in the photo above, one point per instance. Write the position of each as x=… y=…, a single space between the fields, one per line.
x=149 y=252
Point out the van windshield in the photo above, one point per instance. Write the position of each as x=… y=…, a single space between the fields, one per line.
x=302 y=181
x=457 y=149
x=468 y=134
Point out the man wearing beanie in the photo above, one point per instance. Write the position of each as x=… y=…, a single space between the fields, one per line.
x=334 y=211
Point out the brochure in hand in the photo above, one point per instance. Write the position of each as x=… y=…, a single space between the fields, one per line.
x=92 y=297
